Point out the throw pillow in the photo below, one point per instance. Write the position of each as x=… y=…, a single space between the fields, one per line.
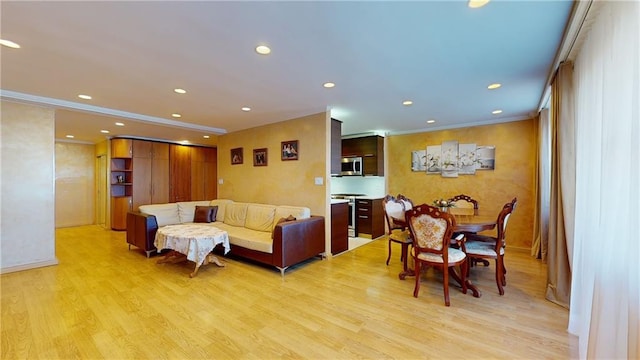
x=214 y=213
x=281 y=220
x=202 y=214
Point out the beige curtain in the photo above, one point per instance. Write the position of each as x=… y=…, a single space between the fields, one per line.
x=562 y=187
x=542 y=183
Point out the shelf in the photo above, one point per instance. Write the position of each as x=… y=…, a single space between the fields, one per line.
x=117 y=183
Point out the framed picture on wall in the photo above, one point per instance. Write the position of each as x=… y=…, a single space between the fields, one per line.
x=236 y=156
x=260 y=157
x=290 y=150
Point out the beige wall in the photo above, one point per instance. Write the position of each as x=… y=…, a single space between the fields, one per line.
x=513 y=175
x=27 y=237
x=280 y=182
x=75 y=184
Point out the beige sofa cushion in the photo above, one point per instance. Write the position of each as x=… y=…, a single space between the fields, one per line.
x=235 y=214
x=221 y=204
x=247 y=238
x=283 y=211
x=260 y=217
x=187 y=209
x=166 y=214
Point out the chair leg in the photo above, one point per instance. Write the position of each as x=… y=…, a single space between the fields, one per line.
x=445 y=279
x=499 y=275
x=417 y=270
x=389 y=256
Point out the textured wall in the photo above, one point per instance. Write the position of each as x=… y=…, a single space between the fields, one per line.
x=27 y=236
x=280 y=182
x=513 y=175
x=75 y=184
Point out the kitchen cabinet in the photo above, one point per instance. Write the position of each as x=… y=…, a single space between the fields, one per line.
x=370 y=148
x=339 y=227
x=369 y=218
x=336 y=146
x=150 y=173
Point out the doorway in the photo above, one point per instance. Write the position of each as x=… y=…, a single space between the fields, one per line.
x=101 y=191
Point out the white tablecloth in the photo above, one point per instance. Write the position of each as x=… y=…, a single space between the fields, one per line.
x=194 y=240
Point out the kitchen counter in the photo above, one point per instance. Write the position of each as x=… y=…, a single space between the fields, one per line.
x=339 y=201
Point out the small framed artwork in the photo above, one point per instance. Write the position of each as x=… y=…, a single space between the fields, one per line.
x=290 y=150
x=236 y=156
x=260 y=157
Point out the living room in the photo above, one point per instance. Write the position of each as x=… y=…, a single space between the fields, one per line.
x=30 y=154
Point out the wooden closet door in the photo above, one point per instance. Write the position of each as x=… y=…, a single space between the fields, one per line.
x=160 y=173
x=180 y=173
x=210 y=173
x=197 y=173
x=141 y=173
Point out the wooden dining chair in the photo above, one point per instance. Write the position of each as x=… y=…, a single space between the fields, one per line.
x=483 y=247
x=431 y=230
x=464 y=205
x=397 y=230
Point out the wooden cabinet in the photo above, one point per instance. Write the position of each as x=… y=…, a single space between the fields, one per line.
x=121 y=148
x=336 y=146
x=179 y=173
x=371 y=149
x=121 y=182
x=120 y=206
x=339 y=227
x=150 y=173
x=369 y=217
x=204 y=173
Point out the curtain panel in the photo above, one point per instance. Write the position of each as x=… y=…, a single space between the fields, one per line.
x=605 y=289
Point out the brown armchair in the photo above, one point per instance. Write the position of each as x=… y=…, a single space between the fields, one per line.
x=482 y=247
x=431 y=230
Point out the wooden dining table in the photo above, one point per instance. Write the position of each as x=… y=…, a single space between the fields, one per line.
x=465 y=223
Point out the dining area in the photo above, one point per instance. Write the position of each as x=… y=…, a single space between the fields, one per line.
x=452 y=236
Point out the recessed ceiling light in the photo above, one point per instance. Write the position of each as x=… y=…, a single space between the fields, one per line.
x=104 y=131
x=430 y=121
x=119 y=124
x=407 y=102
x=246 y=108
x=185 y=141
x=86 y=97
x=263 y=50
x=70 y=136
x=9 y=43
x=494 y=86
x=496 y=112
x=328 y=85
x=206 y=136
x=176 y=115
x=180 y=91
x=474 y=4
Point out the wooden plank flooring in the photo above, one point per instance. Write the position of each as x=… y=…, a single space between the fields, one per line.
x=104 y=301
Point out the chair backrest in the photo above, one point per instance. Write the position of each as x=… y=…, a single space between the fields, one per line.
x=431 y=229
x=408 y=204
x=464 y=205
x=393 y=209
x=503 y=219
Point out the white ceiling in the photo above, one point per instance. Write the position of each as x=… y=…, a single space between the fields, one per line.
x=129 y=56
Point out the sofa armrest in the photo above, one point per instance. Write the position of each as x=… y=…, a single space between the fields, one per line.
x=141 y=231
x=299 y=240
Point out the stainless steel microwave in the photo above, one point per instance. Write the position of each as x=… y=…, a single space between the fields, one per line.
x=351 y=166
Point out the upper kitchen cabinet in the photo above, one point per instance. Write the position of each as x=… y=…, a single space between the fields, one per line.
x=336 y=146
x=371 y=149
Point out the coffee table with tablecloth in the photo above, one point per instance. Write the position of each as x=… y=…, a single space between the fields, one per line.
x=195 y=241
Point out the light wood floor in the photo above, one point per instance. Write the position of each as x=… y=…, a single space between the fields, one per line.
x=104 y=301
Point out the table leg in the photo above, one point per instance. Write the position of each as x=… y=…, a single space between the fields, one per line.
x=470 y=286
x=210 y=259
x=172 y=257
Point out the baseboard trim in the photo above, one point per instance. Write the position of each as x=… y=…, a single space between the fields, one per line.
x=29 y=266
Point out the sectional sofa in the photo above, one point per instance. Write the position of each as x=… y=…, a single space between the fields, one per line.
x=277 y=235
